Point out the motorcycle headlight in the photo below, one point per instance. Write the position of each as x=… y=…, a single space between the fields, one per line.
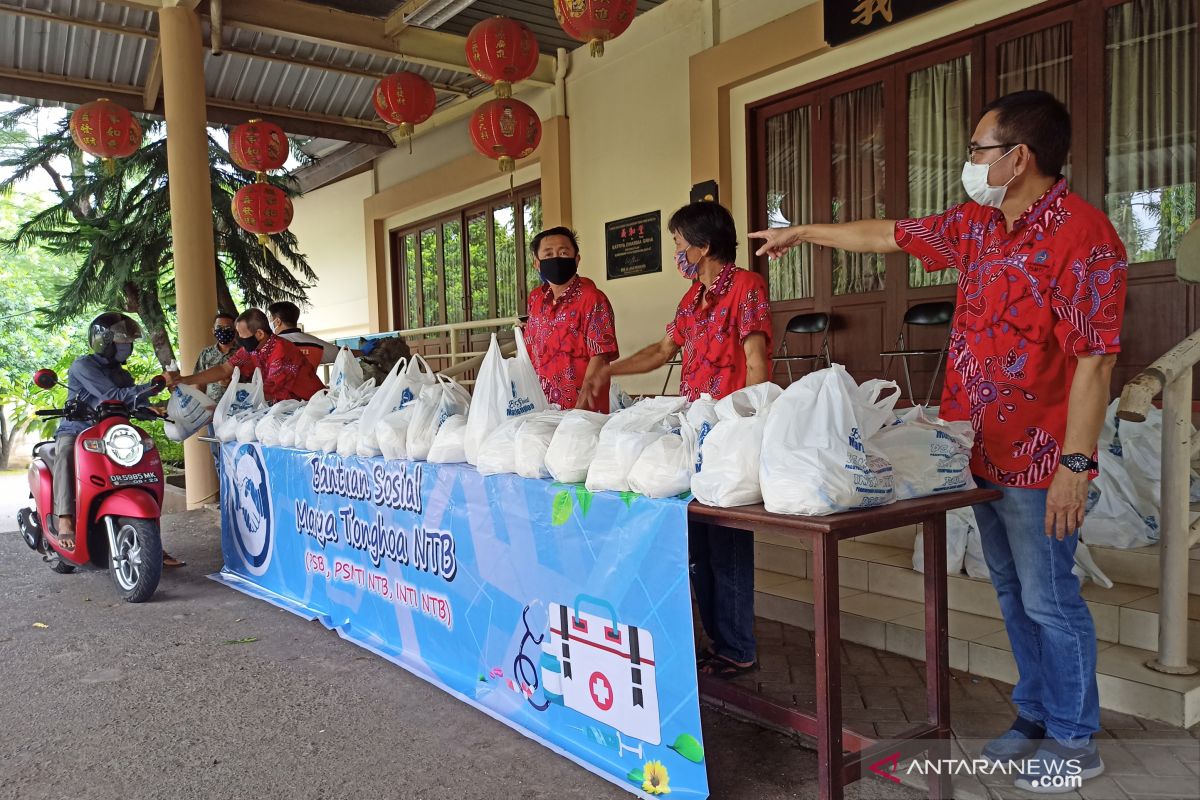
x=123 y=444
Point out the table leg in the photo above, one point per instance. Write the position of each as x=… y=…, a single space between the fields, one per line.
x=827 y=639
x=937 y=648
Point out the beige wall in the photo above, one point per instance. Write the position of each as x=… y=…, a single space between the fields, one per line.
x=328 y=224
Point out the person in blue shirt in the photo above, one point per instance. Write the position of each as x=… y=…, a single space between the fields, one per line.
x=91 y=380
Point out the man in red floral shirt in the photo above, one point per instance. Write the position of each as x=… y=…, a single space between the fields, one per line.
x=287 y=374
x=570 y=332
x=1036 y=331
x=723 y=328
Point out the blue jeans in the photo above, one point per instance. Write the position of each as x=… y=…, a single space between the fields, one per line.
x=1049 y=625
x=722 y=567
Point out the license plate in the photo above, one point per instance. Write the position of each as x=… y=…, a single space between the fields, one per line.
x=134 y=479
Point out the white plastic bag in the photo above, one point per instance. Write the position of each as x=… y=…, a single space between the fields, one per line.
x=392 y=432
x=729 y=473
x=533 y=440
x=247 y=422
x=319 y=406
x=448 y=443
x=437 y=403
x=345 y=375
x=570 y=452
x=618 y=400
x=270 y=427
x=819 y=456
x=237 y=399
x=701 y=417
x=927 y=456
x=623 y=439
x=504 y=389
x=973 y=561
x=401 y=387
x=347 y=441
x=498 y=452
x=959 y=522
x=665 y=468
x=324 y=435
x=189 y=410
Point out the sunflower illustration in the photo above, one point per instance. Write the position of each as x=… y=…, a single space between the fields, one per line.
x=656 y=780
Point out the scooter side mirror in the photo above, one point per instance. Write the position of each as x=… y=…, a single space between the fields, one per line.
x=45 y=379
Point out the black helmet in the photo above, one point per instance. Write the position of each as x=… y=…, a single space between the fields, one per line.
x=109 y=329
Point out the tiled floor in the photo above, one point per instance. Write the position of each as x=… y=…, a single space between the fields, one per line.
x=884 y=694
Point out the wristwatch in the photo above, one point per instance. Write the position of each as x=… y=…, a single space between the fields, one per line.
x=1078 y=462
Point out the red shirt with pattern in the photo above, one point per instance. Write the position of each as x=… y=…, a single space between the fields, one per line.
x=563 y=335
x=287 y=374
x=1030 y=303
x=711 y=328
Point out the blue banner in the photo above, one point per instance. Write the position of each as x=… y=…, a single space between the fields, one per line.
x=562 y=613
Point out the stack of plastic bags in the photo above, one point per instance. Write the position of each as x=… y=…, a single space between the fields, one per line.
x=397 y=393
x=667 y=465
x=241 y=402
x=349 y=395
x=505 y=389
x=622 y=441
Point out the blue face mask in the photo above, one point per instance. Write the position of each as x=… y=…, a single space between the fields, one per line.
x=122 y=352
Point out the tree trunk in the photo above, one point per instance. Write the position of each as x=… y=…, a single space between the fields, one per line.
x=145 y=305
x=6 y=440
x=225 y=300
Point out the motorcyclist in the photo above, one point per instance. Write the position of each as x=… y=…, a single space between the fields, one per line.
x=92 y=380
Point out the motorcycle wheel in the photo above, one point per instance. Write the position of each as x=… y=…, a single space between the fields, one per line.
x=136 y=564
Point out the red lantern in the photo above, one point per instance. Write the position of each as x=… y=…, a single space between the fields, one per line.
x=502 y=51
x=405 y=99
x=506 y=129
x=262 y=208
x=258 y=146
x=595 y=21
x=105 y=129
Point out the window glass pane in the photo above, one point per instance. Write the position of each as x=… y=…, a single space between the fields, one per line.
x=789 y=199
x=412 y=281
x=429 y=277
x=1039 y=60
x=939 y=130
x=456 y=291
x=477 y=249
x=532 y=216
x=505 y=242
x=858 y=182
x=1150 y=148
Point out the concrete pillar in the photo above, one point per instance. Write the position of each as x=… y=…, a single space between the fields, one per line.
x=191 y=212
x=555 y=151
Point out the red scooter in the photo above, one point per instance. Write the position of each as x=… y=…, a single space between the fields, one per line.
x=119 y=494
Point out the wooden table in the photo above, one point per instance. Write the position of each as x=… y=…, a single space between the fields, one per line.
x=835 y=766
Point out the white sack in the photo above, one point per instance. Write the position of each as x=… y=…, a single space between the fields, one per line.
x=448 y=443
x=624 y=438
x=400 y=388
x=393 y=434
x=188 y=410
x=498 y=451
x=928 y=456
x=959 y=521
x=269 y=428
x=437 y=403
x=731 y=453
x=504 y=389
x=533 y=440
x=820 y=457
x=570 y=452
x=319 y=406
x=237 y=399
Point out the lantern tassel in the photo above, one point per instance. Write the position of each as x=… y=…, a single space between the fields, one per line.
x=409 y=144
x=503 y=89
x=596 y=48
x=110 y=167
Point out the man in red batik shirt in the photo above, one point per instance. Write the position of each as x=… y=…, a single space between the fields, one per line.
x=1036 y=331
x=287 y=374
x=723 y=328
x=570 y=332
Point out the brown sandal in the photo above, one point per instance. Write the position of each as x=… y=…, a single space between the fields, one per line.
x=171 y=562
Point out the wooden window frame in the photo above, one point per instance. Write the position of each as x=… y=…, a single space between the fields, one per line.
x=516 y=198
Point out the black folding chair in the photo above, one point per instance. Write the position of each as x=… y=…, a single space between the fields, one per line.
x=924 y=314
x=815 y=322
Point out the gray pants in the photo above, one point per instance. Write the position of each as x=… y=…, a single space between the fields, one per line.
x=63 y=470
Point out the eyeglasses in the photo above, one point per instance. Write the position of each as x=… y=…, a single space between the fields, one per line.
x=976 y=148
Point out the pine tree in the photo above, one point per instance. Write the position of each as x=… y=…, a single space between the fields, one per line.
x=117 y=224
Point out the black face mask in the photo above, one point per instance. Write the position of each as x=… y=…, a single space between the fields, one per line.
x=224 y=335
x=249 y=345
x=558 y=270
